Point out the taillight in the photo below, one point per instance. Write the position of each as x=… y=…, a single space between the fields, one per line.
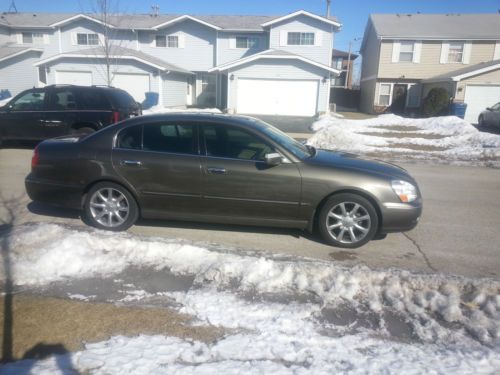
x=115 y=117
x=35 y=158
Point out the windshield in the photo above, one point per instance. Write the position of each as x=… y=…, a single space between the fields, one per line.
x=496 y=107
x=298 y=149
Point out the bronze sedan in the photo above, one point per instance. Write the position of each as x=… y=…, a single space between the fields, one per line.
x=225 y=169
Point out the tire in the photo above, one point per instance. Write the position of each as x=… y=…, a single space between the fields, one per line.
x=83 y=131
x=347 y=220
x=110 y=206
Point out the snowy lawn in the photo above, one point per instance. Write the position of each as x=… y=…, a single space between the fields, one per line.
x=389 y=136
x=284 y=314
x=161 y=109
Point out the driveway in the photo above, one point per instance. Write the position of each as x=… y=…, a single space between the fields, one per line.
x=458 y=233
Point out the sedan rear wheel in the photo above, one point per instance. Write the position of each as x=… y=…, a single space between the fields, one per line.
x=348 y=220
x=110 y=206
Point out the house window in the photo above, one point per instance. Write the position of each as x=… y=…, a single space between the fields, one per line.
x=384 y=95
x=456 y=52
x=83 y=39
x=337 y=63
x=170 y=41
x=32 y=38
x=300 y=39
x=406 y=51
x=246 y=42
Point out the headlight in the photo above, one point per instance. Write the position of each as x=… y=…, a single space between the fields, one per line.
x=405 y=191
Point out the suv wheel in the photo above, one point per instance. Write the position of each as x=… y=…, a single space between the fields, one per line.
x=110 y=206
x=348 y=221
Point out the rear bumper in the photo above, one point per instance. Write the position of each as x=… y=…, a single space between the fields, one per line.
x=400 y=217
x=57 y=194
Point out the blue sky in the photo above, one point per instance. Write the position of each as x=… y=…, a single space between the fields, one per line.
x=352 y=13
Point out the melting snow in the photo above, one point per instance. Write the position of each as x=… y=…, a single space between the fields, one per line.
x=454 y=321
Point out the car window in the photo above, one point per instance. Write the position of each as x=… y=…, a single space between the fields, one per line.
x=227 y=142
x=31 y=101
x=130 y=138
x=176 y=138
x=94 y=100
x=62 y=100
x=496 y=107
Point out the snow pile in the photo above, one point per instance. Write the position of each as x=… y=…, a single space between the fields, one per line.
x=160 y=109
x=431 y=304
x=447 y=137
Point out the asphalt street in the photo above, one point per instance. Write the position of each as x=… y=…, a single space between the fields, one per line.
x=458 y=233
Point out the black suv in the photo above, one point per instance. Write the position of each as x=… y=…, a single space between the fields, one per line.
x=56 y=110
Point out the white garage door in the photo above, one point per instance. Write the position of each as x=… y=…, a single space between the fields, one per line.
x=74 y=78
x=478 y=98
x=277 y=97
x=135 y=84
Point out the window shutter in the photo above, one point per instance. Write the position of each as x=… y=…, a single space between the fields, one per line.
x=467 y=52
x=182 y=41
x=102 y=41
x=19 y=38
x=445 y=49
x=46 y=38
x=396 y=47
x=232 y=42
x=283 y=37
x=153 y=41
x=74 y=41
x=496 y=54
x=417 y=52
x=318 y=36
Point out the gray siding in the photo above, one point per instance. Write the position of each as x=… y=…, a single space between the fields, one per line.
x=281 y=69
x=18 y=73
x=302 y=23
x=49 y=49
x=226 y=51
x=198 y=53
x=4 y=35
x=174 y=90
x=371 y=54
x=367 y=95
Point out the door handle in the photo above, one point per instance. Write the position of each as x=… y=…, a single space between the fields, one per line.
x=215 y=170
x=131 y=163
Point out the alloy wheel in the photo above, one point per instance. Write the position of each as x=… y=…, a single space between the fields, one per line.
x=109 y=207
x=348 y=222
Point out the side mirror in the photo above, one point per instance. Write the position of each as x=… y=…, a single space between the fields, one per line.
x=274 y=158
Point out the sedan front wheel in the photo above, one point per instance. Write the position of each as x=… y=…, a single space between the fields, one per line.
x=348 y=221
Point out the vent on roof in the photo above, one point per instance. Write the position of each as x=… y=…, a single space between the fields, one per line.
x=155 y=10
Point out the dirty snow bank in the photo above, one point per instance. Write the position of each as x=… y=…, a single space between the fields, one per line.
x=458 y=139
x=161 y=109
x=438 y=308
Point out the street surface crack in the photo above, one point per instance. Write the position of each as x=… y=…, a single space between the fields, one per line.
x=426 y=259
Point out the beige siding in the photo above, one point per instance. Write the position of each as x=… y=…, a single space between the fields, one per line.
x=429 y=65
x=492 y=78
x=370 y=62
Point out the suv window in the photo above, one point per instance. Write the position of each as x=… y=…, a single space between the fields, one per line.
x=130 y=138
x=62 y=100
x=227 y=142
x=174 y=138
x=31 y=101
x=122 y=99
x=94 y=99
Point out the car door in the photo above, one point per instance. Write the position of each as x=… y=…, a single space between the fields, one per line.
x=161 y=161
x=61 y=112
x=237 y=182
x=21 y=119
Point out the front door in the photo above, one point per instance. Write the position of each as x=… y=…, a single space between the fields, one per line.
x=399 y=98
x=238 y=183
x=161 y=162
x=23 y=118
x=205 y=90
x=61 y=112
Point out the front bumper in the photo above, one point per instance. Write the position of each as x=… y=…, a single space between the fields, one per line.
x=57 y=194
x=400 y=217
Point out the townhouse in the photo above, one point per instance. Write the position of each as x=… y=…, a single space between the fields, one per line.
x=242 y=64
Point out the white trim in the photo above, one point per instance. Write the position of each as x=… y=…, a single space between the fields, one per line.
x=476 y=72
x=261 y=55
x=303 y=13
x=20 y=53
x=466 y=52
x=390 y=93
x=396 y=48
x=59 y=39
x=123 y=57
x=496 y=53
x=78 y=16
x=182 y=18
x=445 y=51
x=417 y=51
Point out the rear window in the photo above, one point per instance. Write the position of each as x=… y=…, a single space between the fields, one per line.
x=173 y=138
x=122 y=99
x=94 y=100
x=130 y=138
